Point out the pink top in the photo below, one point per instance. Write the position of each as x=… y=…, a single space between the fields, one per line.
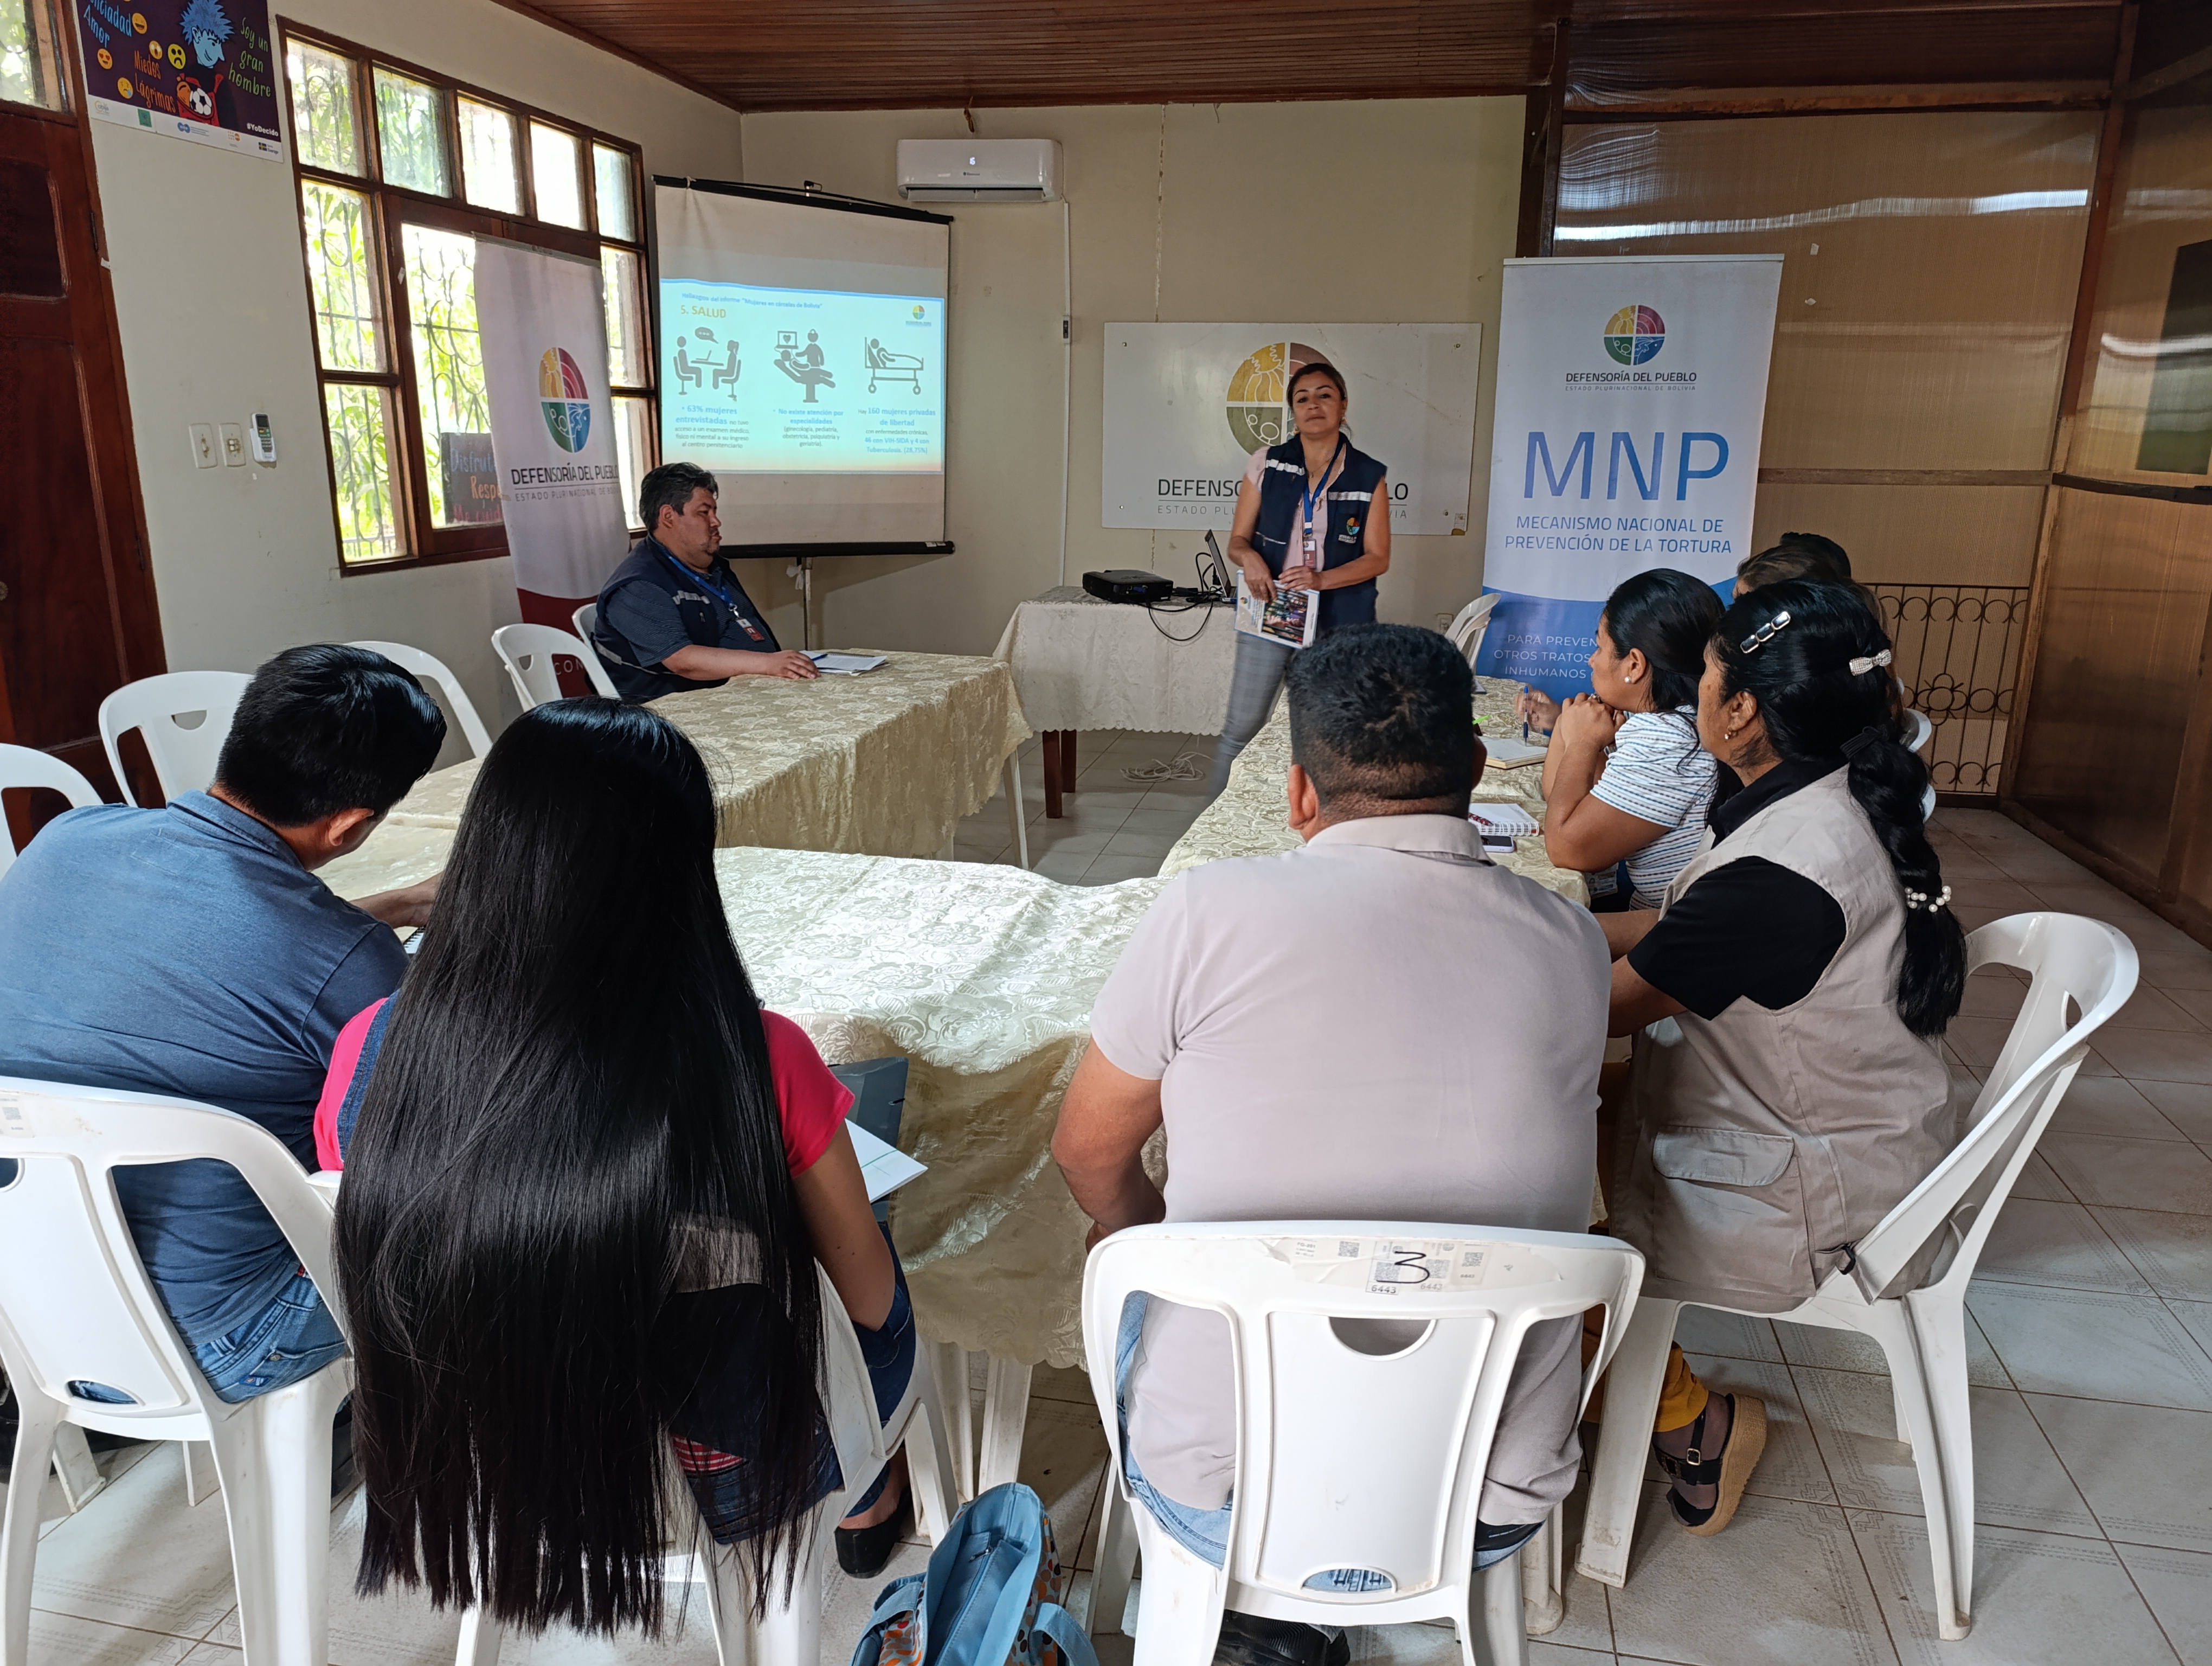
x=812 y=1102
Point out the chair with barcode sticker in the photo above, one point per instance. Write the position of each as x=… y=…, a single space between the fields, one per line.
x=1905 y=1282
x=1320 y=1486
x=76 y=1307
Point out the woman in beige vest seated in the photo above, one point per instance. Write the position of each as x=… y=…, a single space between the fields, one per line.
x=1788 y=1089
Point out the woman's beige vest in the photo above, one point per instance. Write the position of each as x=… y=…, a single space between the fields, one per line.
x=1759 y=1145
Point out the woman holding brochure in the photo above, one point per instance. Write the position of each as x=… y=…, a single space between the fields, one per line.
x=1304 y=524
x=590 y=1182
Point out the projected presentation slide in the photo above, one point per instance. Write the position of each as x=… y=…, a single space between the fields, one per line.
x=801 y=382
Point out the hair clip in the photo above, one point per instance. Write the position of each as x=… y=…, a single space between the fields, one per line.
x=1758 y=638
x=1859 y=667
x=1864 y=739
x=1914 y=899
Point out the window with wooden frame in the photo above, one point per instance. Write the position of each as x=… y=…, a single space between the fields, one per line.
x=399 y=171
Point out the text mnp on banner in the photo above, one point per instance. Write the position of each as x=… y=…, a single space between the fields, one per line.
x=1631 y=394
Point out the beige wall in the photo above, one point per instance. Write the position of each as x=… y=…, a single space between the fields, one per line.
x=212 y=298
x=1365 y=212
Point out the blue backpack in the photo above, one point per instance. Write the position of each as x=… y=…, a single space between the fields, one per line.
x=990 y=1597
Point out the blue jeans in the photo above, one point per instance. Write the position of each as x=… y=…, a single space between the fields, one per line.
x=1205 y=1533
x=291 y=1340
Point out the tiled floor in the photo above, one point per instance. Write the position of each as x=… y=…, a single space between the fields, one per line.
x=2090 y=1351
x=1115 y=828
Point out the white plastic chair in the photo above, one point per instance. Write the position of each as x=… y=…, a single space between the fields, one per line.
x=23 y=766
x=1321 y=1481
x=527 y=651
x=1467 y=629
x=183 y=758
x=76 y=1305
x=419 y=664
x=585 y=618
x=790 y=1633
x=1947 y=1216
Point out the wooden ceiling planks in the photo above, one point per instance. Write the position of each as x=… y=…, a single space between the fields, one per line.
x=863 y=54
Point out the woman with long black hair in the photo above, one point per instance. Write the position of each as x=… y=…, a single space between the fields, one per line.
x=1627 y=781
x=589 y=1179
x=1313 y=513
x=1787 y=1089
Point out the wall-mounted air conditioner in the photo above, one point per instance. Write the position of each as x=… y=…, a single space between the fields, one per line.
x=979 y=170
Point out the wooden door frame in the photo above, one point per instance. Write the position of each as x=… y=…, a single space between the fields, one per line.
x=135 y=606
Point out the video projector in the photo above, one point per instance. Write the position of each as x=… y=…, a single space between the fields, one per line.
x=1128 y=584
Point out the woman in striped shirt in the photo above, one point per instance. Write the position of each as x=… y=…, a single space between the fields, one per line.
x=1625 y=780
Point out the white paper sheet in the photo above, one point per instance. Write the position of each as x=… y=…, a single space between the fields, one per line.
x=885 y=1168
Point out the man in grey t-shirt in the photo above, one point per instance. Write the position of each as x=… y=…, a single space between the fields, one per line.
x=1382 y=1025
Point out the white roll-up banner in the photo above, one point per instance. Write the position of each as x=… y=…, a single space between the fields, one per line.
x=802 y=361
x=1631 y=395
x=544 y=334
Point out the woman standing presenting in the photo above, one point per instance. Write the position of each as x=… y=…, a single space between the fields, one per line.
x=1303 y=523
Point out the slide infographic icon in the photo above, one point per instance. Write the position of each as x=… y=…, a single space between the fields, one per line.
x=801 y=382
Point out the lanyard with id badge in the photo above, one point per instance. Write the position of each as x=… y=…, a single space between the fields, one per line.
x=1315 y=495
x=711 y=581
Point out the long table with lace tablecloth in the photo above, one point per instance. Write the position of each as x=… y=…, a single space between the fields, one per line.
x=1251 y=819
x=982 y=977
x=885 y=763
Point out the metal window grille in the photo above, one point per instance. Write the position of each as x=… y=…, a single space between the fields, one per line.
x=1958 y=650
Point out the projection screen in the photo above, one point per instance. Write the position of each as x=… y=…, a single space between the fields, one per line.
x=802 y=359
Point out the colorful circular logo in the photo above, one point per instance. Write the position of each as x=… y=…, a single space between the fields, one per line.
x=1255 y=406
x=1634 y=335
x=920 y=312
x=564 y=399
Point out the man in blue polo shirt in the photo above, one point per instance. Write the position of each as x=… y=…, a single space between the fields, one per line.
x=673 y=616
x=192 y=952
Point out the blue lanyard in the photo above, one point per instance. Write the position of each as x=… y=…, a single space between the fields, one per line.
x=1318 y=492
x=699 y=578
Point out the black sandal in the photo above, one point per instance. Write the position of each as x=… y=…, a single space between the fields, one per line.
x=1729 y=1469
x=863 y=1552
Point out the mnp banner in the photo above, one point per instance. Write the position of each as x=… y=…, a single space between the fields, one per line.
x=1630 y=392
x=544 y=335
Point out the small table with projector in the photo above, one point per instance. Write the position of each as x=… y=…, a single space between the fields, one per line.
x=885 y=764
x=1082 y=662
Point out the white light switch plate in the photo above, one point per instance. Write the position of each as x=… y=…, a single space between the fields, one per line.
x=233 y=445
x=204 y=454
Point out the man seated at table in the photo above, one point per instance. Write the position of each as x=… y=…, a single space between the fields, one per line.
x=192 y=952
x=673 y=616
x=1381 y=1025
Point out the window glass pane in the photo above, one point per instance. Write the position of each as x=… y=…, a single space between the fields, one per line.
x=359 y=421
x=30 y=59
x=627 y=362
x=488 y=176
x=633 y=450
x=617 y=205
x=341 y=276
x=411 y=134
x=555 y=173
x=324 y=122
x=449 y=376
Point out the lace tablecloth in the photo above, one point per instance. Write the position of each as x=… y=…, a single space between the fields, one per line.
x=1250 y=818
x=982 y=977
x=1082 y=663
x=885 y=763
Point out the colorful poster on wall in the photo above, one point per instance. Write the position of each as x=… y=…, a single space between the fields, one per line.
x=1186 y=403
x=1631 y=395
x=544 y=334
x=198 y=70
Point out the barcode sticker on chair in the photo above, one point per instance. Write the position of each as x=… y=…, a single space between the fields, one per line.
x=12 y=1120
x=1396 y=1267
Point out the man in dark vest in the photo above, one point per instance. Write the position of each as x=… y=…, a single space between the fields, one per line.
x=673 y=616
